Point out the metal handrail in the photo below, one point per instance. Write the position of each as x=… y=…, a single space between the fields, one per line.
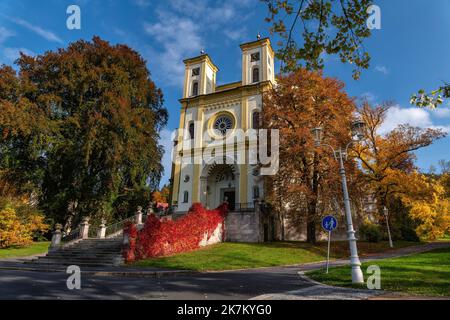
x=244 y=207
x=73 y=235
x=116 y=227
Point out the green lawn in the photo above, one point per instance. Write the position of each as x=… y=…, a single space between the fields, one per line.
x=228 y=256
x=421 y=274
x=14 y=252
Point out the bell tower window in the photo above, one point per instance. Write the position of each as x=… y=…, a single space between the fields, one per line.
x=255 y=75
x=195 y=88
x=191 y=130
x=254 y=57
x=195 y=71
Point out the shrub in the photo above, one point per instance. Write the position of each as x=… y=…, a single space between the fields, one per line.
x=19 y=224
x=166 y=237
x=409 y=234
x=371 y=232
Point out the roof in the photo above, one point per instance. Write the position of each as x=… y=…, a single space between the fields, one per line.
x=201 y=58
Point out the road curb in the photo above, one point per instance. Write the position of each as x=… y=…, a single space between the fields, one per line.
x=136 y=274
x=145 y=274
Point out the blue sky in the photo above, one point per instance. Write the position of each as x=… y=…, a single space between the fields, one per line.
x=411 y=51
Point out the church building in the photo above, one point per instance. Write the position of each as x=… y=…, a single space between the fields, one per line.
x=210 y=114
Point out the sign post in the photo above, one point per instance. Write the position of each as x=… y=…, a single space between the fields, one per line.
x=329 y=223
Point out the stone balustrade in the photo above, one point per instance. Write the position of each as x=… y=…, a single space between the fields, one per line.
x=82 y=232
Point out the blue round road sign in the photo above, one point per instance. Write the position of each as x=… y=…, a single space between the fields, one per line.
x=329 y=223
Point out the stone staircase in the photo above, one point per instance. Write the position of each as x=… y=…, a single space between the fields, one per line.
x=84 y=253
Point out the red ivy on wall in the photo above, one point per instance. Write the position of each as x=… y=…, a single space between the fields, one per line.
x=162 y=238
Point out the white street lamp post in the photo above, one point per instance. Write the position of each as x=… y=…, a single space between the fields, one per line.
x=357 y=127
x=385 y=210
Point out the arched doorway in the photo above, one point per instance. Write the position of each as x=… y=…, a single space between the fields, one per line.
x=219 y=182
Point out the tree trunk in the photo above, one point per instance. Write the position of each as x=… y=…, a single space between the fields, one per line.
x=281 y=222
x=311 y=222
x=311 y=232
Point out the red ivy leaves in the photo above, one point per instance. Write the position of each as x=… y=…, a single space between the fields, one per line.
x=162 y=238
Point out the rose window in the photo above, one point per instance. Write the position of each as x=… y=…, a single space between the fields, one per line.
x=222 y=124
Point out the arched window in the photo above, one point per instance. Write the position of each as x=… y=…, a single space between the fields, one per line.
x=255 y=120
x=186 y=197
x=255 y=192
x=195 y=88
x=255 y=74
x=191 y=129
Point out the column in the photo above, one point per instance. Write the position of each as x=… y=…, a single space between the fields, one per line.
x=84 y=228
x=56 y=238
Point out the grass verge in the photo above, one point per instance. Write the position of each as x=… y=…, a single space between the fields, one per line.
x=230 y=256
x=420 y=274
x=15 y=252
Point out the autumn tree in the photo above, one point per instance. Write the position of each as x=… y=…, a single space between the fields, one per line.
x=308 y=29
x=307 y=183
x=82 y=125
x=20 y=223
x=161 y=196
x=387 y=160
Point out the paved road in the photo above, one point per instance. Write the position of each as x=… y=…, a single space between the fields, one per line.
x=243 y=284
x=15 y=284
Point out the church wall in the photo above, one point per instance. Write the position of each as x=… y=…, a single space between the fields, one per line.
x=186 y=169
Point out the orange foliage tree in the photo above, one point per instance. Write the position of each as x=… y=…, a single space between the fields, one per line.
x=307 y=184
x=387 y=160
x=19 y=223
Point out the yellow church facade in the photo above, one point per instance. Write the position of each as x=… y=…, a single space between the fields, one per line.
x=211 y=165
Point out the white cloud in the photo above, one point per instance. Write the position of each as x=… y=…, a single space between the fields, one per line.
x=237 y=34
x=369 y=96
x=441 y=112
x=142 y=3
x=11 y=54
x=179 y=38
x=411 y=116
x=382 y=69
x=180 y=32
x=5 y=34
x=48 y=35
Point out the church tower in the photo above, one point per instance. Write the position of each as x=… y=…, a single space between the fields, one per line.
x=212 y=114
x=199 y=77
x=257 y=62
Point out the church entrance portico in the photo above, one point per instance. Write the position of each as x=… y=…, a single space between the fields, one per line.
x=219 y=182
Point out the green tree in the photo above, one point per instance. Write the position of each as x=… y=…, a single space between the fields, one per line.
x=91 y=115
x=433 y=99
x=325 y=26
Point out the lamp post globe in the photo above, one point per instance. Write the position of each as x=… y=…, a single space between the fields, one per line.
x=358 y=127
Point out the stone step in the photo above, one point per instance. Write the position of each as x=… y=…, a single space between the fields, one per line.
x=91 y=249
x=61 y=264
x=88 y=251
x=76 y=261
x=83 y=253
